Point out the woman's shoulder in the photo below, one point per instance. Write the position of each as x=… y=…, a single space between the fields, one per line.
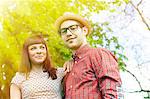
x=18 y=78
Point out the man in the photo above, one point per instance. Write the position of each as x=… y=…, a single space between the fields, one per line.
x=95 y=73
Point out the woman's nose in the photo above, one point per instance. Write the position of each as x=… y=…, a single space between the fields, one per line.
x=39 y=51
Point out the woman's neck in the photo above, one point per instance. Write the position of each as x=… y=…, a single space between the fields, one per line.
x=37 y=68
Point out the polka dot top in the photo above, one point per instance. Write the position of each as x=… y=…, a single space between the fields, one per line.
x=38 y=85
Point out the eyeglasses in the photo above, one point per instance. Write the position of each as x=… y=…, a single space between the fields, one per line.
x=71 y=28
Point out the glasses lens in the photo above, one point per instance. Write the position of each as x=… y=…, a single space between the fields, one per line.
x=63 y=31
x=73 y=28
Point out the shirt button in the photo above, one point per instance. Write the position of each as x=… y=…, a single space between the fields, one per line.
x=72 y=74
x=75 y=62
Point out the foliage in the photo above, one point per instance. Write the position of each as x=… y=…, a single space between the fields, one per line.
x=20 y=18
x=104 y=38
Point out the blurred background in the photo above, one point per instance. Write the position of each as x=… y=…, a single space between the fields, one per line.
x=122 y=26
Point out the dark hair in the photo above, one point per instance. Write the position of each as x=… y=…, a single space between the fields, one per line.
x=25 y=66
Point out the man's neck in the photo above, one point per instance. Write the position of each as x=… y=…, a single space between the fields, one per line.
x=74 y=51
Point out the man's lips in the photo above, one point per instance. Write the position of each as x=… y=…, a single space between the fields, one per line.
x=70 y=39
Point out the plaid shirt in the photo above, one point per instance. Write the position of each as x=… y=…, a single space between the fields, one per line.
x=94 y=75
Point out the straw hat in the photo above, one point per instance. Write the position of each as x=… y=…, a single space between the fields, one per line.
x=72 y=16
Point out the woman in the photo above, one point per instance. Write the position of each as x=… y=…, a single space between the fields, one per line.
x=36 y=79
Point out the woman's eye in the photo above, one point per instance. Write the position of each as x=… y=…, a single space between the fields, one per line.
x=42 y=47
x=33 y=48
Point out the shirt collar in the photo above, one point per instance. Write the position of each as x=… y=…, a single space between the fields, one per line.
x=79 y=52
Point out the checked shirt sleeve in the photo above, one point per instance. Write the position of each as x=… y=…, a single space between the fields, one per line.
x=107 y=72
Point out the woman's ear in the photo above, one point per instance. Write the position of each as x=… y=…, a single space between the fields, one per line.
x=85 y=30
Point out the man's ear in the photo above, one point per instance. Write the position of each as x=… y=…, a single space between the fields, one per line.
x=85 y=30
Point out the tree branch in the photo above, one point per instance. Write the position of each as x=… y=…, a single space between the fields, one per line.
x=140 y=13
x=135 y=78
x=141 y=89
x=139 y=3
x=144 y=62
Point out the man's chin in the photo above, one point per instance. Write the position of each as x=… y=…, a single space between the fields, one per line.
x=72 y=47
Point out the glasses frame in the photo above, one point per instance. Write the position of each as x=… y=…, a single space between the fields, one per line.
x=69 y=28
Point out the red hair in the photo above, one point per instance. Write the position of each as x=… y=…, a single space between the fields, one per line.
x=25 y=66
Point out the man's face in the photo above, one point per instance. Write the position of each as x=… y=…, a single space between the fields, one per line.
x=72 y=34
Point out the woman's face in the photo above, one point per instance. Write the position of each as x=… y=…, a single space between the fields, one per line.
x=37 y=53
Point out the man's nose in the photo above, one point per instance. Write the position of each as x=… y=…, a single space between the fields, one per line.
x=68 y=32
